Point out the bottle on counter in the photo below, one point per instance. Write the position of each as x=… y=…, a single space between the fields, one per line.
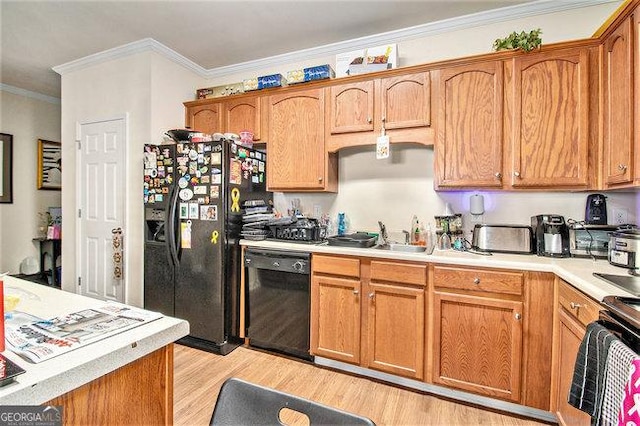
x=415 y=230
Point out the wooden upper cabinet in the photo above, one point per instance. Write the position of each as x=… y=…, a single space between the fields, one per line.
x=351 y=107
x=618 y=115
x=297 y=158
x=547 y=119
x=205 y=118
x=405 y=101
x=357 y=112
x=469 y=126
x=243 y=114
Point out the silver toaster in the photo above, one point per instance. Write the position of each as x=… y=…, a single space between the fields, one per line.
x=503 y=238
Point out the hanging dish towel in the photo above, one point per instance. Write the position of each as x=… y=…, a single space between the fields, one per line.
x=630 y=407
x=588 y=374
x=619 y=361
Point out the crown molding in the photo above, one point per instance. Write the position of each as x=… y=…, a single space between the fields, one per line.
x=140 y=46
x=29 y=94
x=447 y=25
x=540 y=7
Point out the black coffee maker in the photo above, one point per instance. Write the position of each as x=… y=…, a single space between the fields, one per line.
x=551 y=235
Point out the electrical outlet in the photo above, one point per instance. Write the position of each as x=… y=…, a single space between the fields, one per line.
x=620 y=216
x=317 y=211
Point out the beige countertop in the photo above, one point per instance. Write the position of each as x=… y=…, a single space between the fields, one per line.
x=576 y=271
x=48 y=379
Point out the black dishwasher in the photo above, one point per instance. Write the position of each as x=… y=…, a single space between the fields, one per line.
x=277 y=300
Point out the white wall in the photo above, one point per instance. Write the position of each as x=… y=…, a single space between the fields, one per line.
x=394 y=190
x=150 y=90
x=27 y=119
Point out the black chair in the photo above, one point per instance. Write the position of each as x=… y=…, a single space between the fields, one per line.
x=244 y=403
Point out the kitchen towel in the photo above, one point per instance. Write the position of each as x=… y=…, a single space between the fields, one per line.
x=588 y=373
x=630 y=408
x=619 y=360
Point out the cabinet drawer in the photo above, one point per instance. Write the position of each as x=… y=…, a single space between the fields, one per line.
x=399 y=272
x=478 y=280
x=345 y=266
x=578 y=305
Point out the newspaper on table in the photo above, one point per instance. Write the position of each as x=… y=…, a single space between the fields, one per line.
x=44 y=339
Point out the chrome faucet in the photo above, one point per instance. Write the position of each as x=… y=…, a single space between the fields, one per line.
x=383 y=237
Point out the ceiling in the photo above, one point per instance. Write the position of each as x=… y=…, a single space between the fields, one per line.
x=37 y=35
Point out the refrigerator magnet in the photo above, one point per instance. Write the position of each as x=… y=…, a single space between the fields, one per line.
x=159 y=198
x=200 y=147
x=205 y=179
x=180 y=148
x=208 y=212
x=182 y=161
x=207 y=148
x=200 y=190
x=186 y=194
x=165 y=190
x=216 y=158
x=261 y=166
x=235 y=172
x=255 y=179
x=185 y=234
x=193 y=166
x=216 y=179
x=200 y=158
x=214 y=192
x=184 y=210
x=215 y=171
x=193 y=210
x=193 y=154
x=183 y=182
x=194 y=181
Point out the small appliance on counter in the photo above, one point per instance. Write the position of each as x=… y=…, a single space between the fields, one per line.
x=307 y=230
x=624 y=244
x=590 y=240
x=551 y=235
x=503 y=238
x=596 y=210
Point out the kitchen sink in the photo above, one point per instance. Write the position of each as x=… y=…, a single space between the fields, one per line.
x=404 y=248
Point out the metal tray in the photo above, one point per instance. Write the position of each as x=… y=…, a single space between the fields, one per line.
x=357 y=240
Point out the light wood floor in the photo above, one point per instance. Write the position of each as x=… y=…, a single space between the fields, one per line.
x=198 y=376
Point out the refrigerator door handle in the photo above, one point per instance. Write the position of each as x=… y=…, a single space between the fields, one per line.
x=172 y=237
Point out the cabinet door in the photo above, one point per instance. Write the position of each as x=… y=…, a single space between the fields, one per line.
x=478 y=344
x=205 y=118
x=469 y=131
x=405 y=101
x=570 y=334
x=243 y=114
x=395 y=329
x=335 y=318
x=549 y=120
x=618 y=105
x=296 y=157
x=351 y=108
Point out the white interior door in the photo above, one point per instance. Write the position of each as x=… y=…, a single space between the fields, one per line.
x=101 y=180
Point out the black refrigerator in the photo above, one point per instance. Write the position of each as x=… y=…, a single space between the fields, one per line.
x=193 y=198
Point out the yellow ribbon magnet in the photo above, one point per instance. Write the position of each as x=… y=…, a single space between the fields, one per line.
x=214 y=237
x=235 y=198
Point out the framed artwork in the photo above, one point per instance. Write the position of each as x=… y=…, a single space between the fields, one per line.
x=6 y=165
x=49 y=165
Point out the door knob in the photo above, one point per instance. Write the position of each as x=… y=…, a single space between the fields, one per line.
x=476 y=281
x=369 y=120
x=356 y=292
x=372 y=295
x=498 y=175
x=622 y=167
x=518 y=316
x=516 y=174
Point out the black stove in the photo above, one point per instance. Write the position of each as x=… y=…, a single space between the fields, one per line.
x=630 y=283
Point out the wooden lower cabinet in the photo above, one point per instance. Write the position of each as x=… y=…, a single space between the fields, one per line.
x=395 y=330
x=478 y=344
x=574 y=311
x=361 y=316
x=335 y=318
x=138 y=393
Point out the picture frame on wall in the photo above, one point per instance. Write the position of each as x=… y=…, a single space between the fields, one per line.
x=49 y=164
x=6 y=166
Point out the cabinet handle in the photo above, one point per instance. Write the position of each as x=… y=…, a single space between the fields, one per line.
x=369 y=120
x=476 y=281
x=384 y=118
x=356 y=292
x=372 y=295
x=518 y=316
x=498 y=175
x=516 y=174
x=575 y=305
x=622 y=167
x=319 y=179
